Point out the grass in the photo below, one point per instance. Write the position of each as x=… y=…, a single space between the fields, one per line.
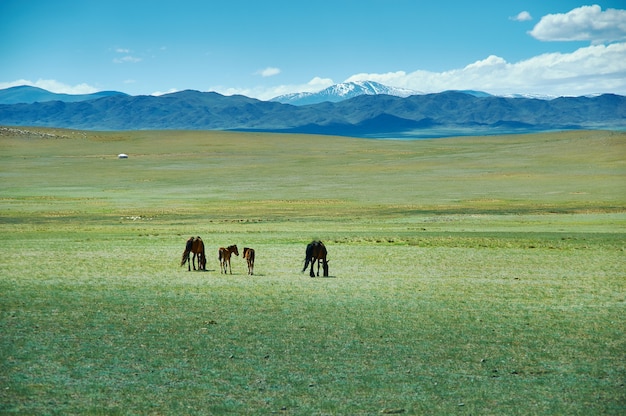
x=471 y=276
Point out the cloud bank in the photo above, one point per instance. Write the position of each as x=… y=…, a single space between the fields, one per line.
x=594 y=69
x=589 y=70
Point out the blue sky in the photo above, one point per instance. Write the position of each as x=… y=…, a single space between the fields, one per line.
x=266 y=48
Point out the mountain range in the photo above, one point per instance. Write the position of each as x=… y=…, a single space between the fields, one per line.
x=380 y=115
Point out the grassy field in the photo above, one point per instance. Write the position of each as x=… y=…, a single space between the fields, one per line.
x=467 y=276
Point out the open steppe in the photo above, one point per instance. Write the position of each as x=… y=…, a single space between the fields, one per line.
x=475 y=275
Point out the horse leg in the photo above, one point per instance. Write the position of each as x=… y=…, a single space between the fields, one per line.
x=311 y=272
x=188 y=263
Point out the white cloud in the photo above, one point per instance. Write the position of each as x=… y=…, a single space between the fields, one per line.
x=268 y=72
x=52 y=86
x=522 y=17
x=317 y=84
x=491 y=62
x=586 y=23
x=126 y=59
x=588 y=70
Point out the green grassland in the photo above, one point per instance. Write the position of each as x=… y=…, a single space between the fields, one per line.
x=476 y=275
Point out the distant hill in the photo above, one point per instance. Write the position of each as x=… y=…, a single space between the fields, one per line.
x=27 y=95
x=361 y=116
x=343 y=91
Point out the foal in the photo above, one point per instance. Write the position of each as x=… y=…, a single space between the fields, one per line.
x=224 y=256
x=248 y=254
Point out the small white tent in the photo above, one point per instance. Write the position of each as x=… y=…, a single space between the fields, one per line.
x=122 y=156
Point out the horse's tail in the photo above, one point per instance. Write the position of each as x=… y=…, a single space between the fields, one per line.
x=188 y=248
x=219 y=254
x=309 y=256
x=185 y=257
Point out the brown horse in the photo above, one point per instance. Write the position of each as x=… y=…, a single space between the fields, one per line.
x=194 y=245
x=224 y=256
x=316 y=251
x=248 y=254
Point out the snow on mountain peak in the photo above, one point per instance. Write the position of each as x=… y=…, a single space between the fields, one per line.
x=343 y=91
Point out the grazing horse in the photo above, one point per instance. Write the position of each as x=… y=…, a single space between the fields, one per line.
x=224 y=256
x=248 y=254
x=316 y=251
x=194 y=245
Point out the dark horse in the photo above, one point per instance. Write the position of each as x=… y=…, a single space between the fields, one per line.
x=248 y=254
x=316 y=251
x=194 y=245
x=224 y=256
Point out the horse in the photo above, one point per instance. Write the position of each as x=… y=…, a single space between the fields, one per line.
x=224 y=256
x=194 y=245
x=248 y=254
x=316 y=251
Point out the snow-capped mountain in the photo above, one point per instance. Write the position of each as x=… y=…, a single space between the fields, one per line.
x=343 y=91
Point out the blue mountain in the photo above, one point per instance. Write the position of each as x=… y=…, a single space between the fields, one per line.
x=378 y=115
x=25 y=94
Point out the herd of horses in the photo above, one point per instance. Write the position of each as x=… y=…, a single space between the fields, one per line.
x=194 y=249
